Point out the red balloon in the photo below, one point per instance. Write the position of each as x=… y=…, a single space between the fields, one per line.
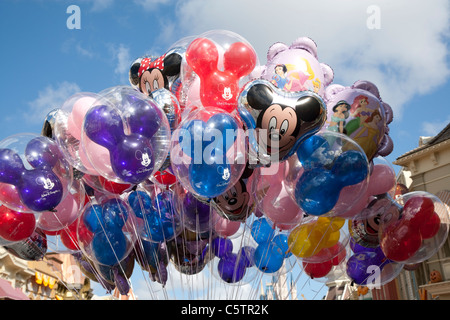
x=71 y=240
x=317 y=270
x=15 y=225
x=431 y=227
x=165 y=178
x=52 y=233
x=220 y=88
x=418 y=210
x=113 y=187
x=400 y=242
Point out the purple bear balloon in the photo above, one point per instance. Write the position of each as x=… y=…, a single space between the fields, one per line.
x=39 y=189
x=131 y=155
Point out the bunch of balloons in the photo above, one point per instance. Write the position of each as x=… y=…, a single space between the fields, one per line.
x=211 y=158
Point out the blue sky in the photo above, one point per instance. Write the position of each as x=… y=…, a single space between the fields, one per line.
x=43 y=62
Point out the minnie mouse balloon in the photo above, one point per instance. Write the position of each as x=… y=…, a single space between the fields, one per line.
x=278 y=121
x=359 y=112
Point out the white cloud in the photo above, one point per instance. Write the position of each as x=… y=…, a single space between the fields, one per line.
x=50 y=98
x=122 y=60
x=433 y=128
x=407 y=56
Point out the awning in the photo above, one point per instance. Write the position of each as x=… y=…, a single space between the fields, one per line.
x=8 y=292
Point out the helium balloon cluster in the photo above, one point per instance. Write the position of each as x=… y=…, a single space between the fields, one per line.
x=210 y=158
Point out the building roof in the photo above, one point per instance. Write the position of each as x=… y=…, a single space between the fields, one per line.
x=8 y=292
x=440 y=137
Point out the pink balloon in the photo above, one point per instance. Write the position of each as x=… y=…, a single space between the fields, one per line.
x=66 y=213
x=98 y=162
x=76 y=117
x=382 y=180
x=224 y=227
x=352 y=201
x=280 y=207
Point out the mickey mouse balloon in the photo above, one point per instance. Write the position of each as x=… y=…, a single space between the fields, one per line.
x=278 y=121
x=34 y=176
x=133 y=129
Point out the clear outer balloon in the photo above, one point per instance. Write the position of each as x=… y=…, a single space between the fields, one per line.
x=35 y=175
x=220 y=59
x=209 y=143
x=420 y=231
x=359 y=112
x=329 y=179
x=133 y=129
x=68 y=127
x=106 y=232
x=278 y=121
x=169 y=104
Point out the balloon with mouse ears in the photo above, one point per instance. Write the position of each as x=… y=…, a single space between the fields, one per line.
x=221 y=60
x=148 y=74
x=278 y=120
x=34 y=176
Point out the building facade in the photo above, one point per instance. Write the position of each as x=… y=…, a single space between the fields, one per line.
x=55 y=277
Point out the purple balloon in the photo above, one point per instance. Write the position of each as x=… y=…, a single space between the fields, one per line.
x=221 y=247
x=196 y=213
x=231 y=269
x=39 y=189
x=41 y=152
x=131 y=155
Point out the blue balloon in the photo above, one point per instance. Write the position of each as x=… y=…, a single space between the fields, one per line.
x=262 y=231
x=115 y=213
x=281 y=241
x=317 y=190
x=350 y=167
x=218 y=132
x=109 y=247
x=314 y=152
x=93 y=219
x=268 y=257
x=210 y=180
x=151 y=255
x=140 y=202
x=159 y=216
